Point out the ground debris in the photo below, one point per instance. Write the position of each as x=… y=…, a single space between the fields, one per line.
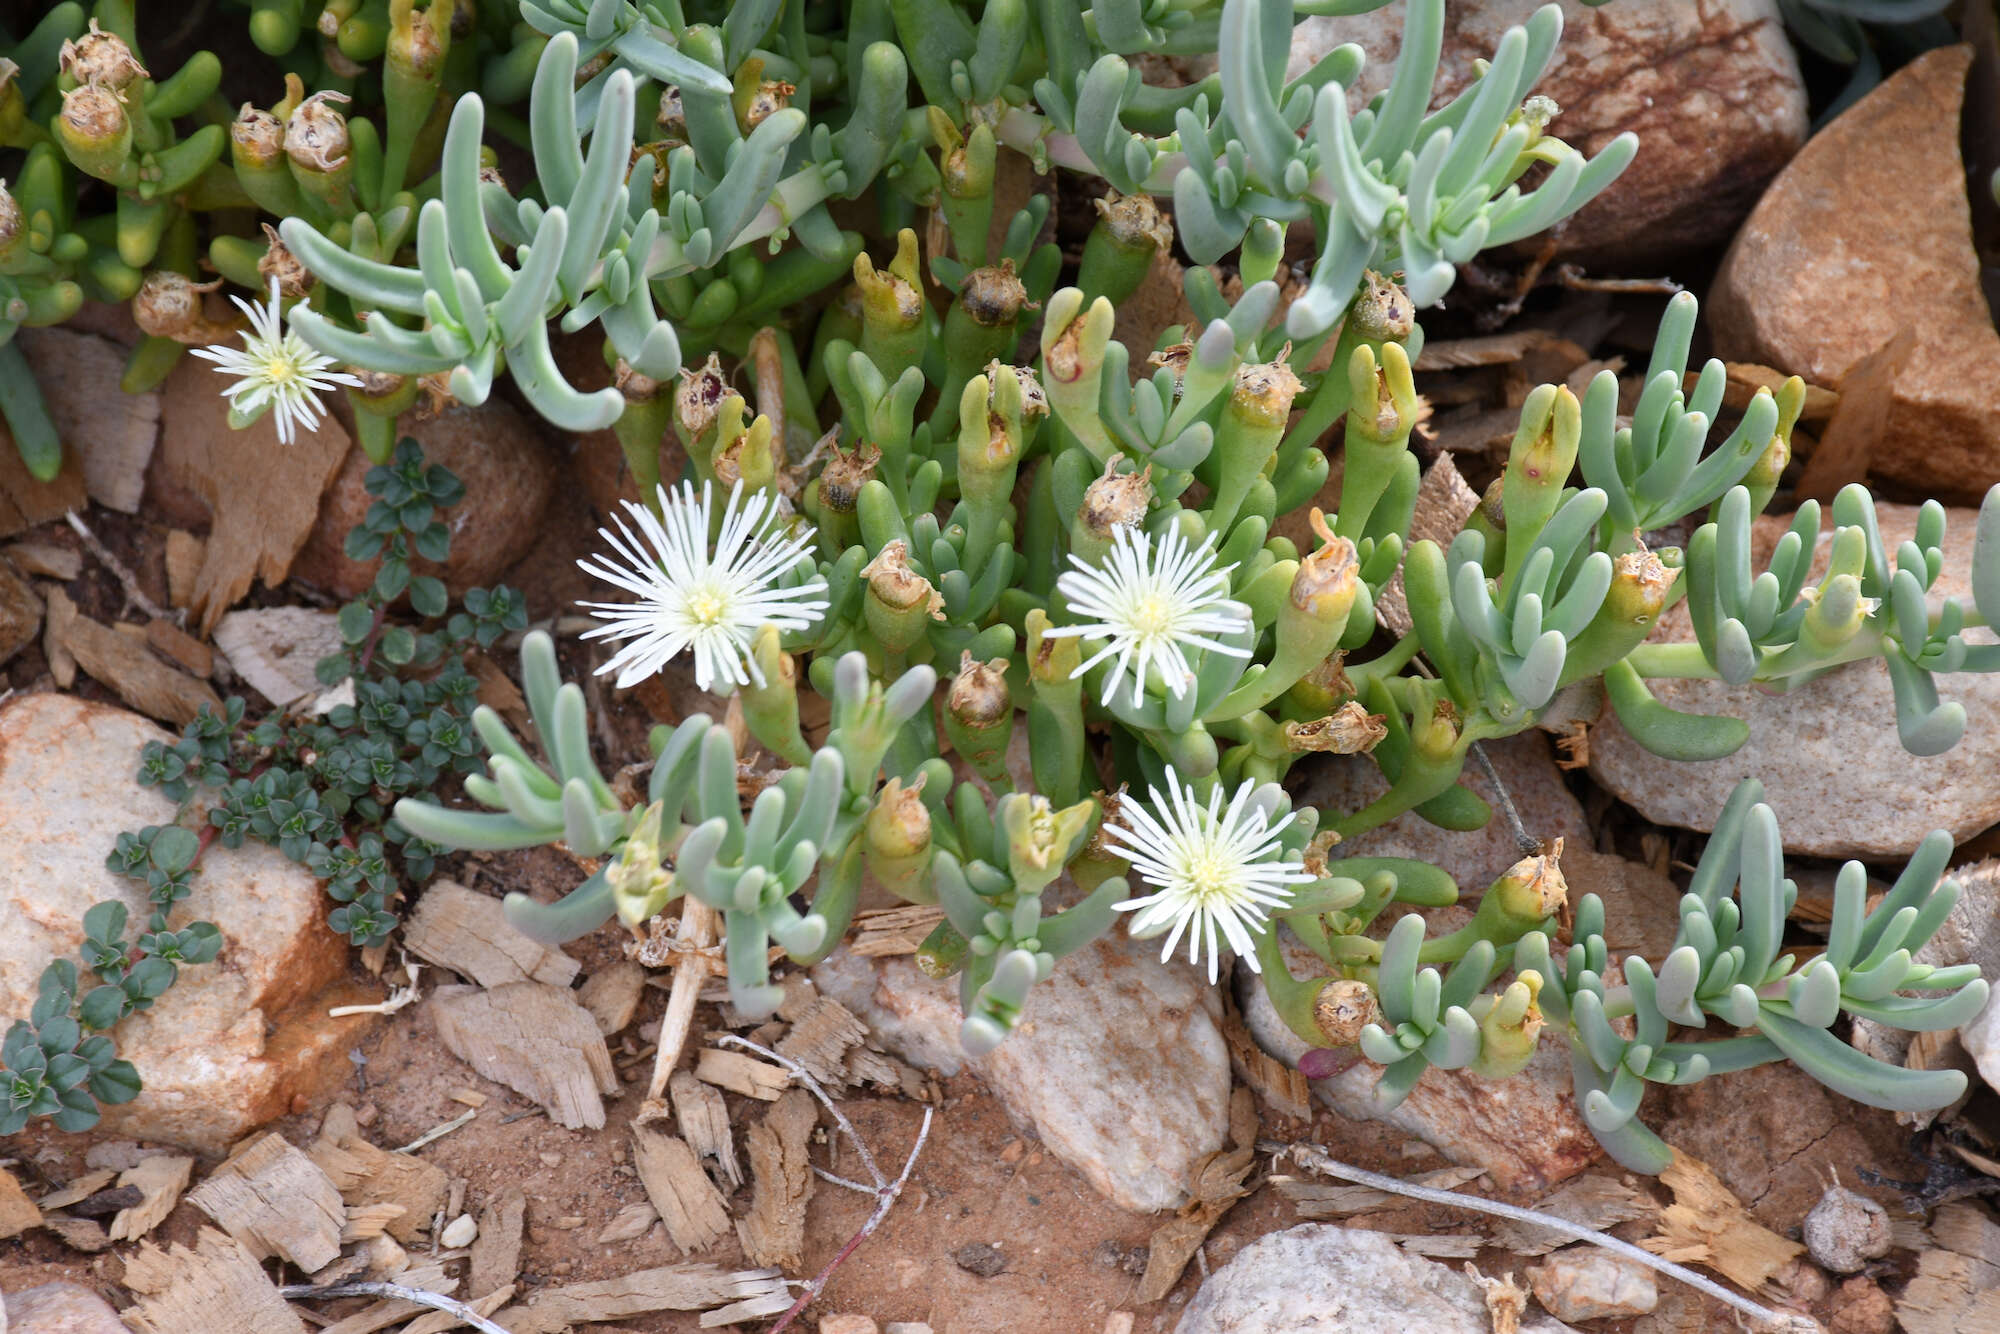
x=773 y=1232
x=79 y=1234
x=1215 y=1183
x=17 y=1212
x=496 y=1251
x=467 y=932
x=738 y=1073
x=611 y=994
x=1707 y=1225
x=1957 y=1287
x=275 y=1200
x=1598 y=1202
x=631 y=1223
x=883 y=931
x=79 y=1189
x=742 y=1295
x=822 y=1033
x=686 y=1200
x=125 y=664
x=1319 y=1199
x=1280 y=1085
x=217 y=1288
x=276 y=650
x=44 y=559
x=160 y=1181
x=703 y=1118
x=536 y=1040
x=368 y=1176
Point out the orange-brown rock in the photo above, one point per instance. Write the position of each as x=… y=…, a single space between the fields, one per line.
x=1866 y=233
x=509 y=472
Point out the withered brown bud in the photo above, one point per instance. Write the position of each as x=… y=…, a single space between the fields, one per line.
x=1116 y=499
x=1343 y=1008
x=772 y=96
x=701 y=393
x=1534 y=887
x=1264 y=391
x=12 y=224
x=1330 y=676
x=899 y=587
x=1329 y=577
x=94 y=115
x=591 y=68
x=672 y=116
x=840 y=482
x=1034 y=402
x=1175 y=358
x=1317 y=851
x=377 y=384
x=1383 y=313
x=993 y=296
x=277 y=261
x=978 y=696
x=100 y=59
x=257 y=138
x=1135 y=220
x=168 y=305
x=316 y=137
x=1348 y=730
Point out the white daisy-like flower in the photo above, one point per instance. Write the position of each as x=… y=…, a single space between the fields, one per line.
x=1149 y=604
x=712 y=601
x=1210 y=868
x=276 y=369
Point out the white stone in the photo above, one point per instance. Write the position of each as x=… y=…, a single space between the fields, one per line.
x=1118 y=1062
x=1712 y=90
x=58 y=1308
x=460 y=1231
x=1319 y=1278
x=234 y=1041
x=1827 y=752
x=1590 y=1283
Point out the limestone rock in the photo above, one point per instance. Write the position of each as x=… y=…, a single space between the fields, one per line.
x=1477 y=858
x=1118 y=1062
x=1320 y=1278
x=234 y=1041
x=1525 y=1131
x=1590 y=1283
x=1712 y=90
x=1884 y=799
x=1871 y=213
x=509 y=473
x=58 y=1308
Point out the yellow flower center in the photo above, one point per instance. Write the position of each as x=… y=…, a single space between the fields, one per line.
x=706 y=608
x=1210 y=876
x=1154 y=615
x=279 y=370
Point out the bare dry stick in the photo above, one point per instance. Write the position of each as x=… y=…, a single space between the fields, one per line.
x=698 y=931
x=1317 y=1159
x=884 y=1191
x=306 y=1292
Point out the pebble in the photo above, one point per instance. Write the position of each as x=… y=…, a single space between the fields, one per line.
x=234 y=1042
x=848 y=1324
x=1590 y=1283
x=1841 y=723
x=1118 y=1062
x=1861 y=1307
x=1844 y=1231
x=460 y=1231
x=979 y=1257
x=58 y=1308
x=1320 y=1278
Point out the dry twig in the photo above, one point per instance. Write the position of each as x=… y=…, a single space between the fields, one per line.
x=885 y=1191
x=123 y=573
x=306 y=1292
x=1311 y=1156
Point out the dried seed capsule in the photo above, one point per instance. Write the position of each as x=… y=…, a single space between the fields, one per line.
x=100 y=59
x=1845 y=1230
x=1343 y=1008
